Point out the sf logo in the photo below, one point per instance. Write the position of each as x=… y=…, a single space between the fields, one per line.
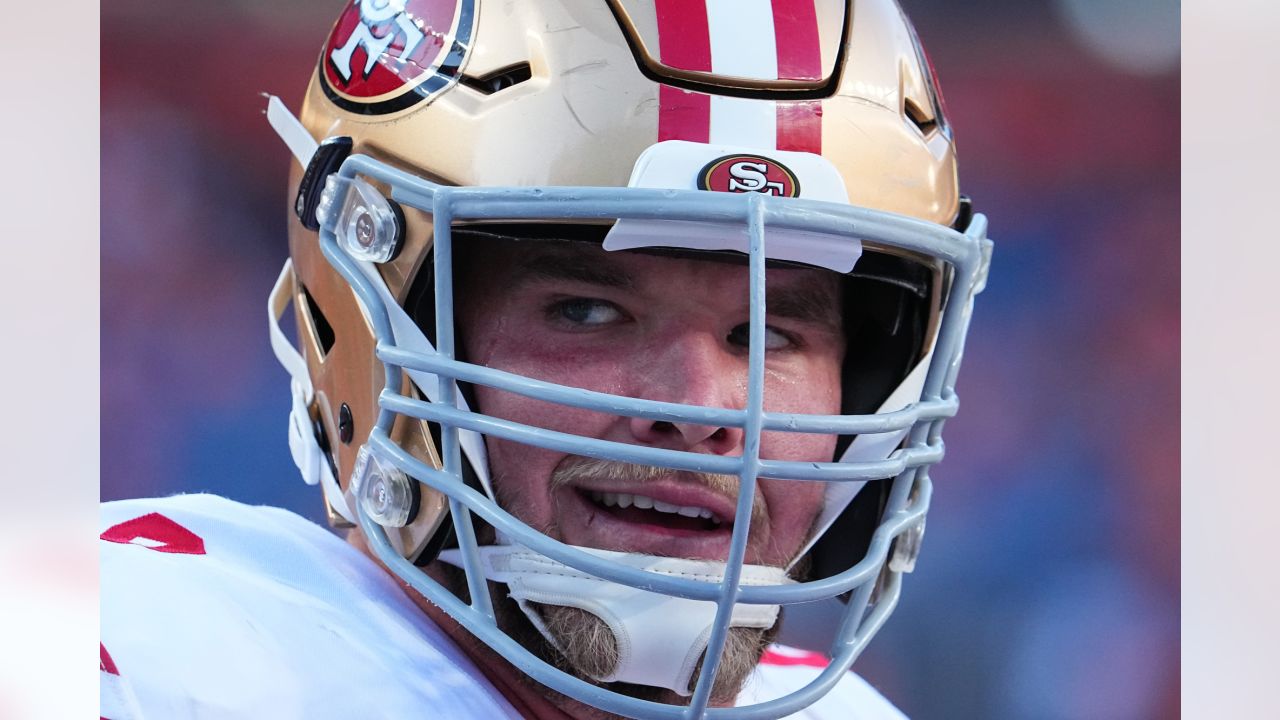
x=748 y=173
x=746 y=176
x=381 y=22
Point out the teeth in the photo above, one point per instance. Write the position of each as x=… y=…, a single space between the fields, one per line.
x=625 y=500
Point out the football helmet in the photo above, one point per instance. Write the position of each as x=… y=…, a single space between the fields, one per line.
x=771 y=134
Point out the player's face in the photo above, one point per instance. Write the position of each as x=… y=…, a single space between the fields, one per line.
x=658 y=328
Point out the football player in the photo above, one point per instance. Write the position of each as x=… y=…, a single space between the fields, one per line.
x=624 y=337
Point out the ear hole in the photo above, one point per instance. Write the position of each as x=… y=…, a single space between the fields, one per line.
x=925 y=121
x=498 y=80
x=320 y=326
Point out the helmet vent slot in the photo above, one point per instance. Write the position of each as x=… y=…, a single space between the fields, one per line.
x=498 y=80
x=320 y=326
x=926 y=122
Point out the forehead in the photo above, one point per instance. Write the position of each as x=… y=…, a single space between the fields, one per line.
x=517 y=263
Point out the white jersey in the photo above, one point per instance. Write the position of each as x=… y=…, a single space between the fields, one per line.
x=214 y=609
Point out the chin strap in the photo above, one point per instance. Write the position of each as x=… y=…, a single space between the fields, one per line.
x=660 y=638
x=303 y=445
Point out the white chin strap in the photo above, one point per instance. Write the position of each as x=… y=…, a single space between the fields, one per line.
x=660 y=638
x=303 y=444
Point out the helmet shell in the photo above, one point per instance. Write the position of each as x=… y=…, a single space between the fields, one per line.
x=582 y=90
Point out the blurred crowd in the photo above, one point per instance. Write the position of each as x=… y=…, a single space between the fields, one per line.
x=1048 y=586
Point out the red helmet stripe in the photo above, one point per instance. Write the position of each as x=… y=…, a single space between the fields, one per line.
x=800 y=126
x=795 y=31
x=684 y=42
x=683 y=115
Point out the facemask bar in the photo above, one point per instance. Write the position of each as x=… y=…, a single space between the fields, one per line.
x=965 y=253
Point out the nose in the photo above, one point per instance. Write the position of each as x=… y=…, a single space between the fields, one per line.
x=693 y=369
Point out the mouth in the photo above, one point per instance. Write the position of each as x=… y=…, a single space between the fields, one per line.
x=645 y=510
x=667 y=519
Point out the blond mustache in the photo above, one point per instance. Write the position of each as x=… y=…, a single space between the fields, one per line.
x=576 y=470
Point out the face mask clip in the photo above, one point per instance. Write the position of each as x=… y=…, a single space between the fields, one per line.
x=385 y=492
x=370 y=227
x=906 y=549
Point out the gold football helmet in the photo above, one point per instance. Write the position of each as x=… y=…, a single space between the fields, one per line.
x=807 y=133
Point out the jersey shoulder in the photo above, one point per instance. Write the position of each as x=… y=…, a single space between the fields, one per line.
x=784 y=670
x=213 y=608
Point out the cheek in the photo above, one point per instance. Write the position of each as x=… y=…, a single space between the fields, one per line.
x=569 y=371
x=794 y=505
x=813 y=389
x=793 y=508
x=804 y=384
x=524 y=349
x=521 y=472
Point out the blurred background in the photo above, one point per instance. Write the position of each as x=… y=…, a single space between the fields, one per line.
x=1048 y=586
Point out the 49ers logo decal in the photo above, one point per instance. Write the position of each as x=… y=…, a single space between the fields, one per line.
x=749 y=173
x=387 y=55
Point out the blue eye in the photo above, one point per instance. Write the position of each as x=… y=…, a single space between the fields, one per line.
x=773 y=339
x=586 y=311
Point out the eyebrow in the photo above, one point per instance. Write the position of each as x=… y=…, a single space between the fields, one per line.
x=813 y=303
x=552 y=265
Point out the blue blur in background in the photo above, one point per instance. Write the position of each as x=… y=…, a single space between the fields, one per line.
x=1048 y=585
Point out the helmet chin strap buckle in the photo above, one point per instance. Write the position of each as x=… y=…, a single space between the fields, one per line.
x=307 y=454
x=302 y=441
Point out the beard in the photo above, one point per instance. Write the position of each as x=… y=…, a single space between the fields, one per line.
x=587 y=649
x=583 y=644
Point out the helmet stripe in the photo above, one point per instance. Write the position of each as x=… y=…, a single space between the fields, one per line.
x=683 y=42
x=795 y=29
x=742 y=38
x=800 y=126
x=764 y=39
x=683 y=115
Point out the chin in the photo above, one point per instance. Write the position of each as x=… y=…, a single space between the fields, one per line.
x=588 y=650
